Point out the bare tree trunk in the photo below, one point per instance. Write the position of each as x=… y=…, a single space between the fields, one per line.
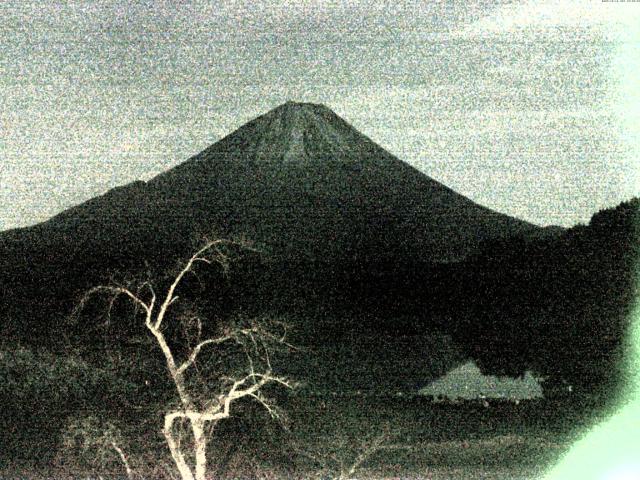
x=176 y=452
x=200 y=439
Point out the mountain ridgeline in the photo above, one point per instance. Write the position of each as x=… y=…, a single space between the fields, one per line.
x=386 y=274
x=302 y=184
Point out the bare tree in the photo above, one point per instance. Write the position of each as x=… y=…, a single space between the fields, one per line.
x=97 y=440
x=202 y=401
x=339 y=460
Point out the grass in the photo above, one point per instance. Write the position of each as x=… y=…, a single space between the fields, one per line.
x=422 y=439
x=429 y=439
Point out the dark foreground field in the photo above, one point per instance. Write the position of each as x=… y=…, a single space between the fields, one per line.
x=423 y=439
x=322 y=437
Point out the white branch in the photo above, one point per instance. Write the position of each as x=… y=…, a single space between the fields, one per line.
x=117 y=291
x=376 y=445
x=254 y=339
x=213 y=341
x=196 y=350
x=273 y=412
x=123 y=457
x=196 y=257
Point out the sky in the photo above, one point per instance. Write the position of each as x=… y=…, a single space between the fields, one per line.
x=531 y=108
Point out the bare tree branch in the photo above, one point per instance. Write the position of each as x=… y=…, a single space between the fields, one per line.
x=196 y=257
x=196 y=350
x=255 y=339
x=123 y=458
x=375 y=445
x=116 y=291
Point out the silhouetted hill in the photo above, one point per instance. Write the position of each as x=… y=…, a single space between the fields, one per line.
x=386 y=274
x=560 y=306
x=299 y=182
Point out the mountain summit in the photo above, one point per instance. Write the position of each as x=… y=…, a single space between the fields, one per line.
x=301 y=133
x=301 y=183
x=296 y=132
x=304 y=183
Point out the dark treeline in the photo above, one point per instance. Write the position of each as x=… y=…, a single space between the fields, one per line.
x=557 y=305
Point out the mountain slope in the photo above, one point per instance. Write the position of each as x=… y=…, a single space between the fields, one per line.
x=350 y=236
x=301 y=183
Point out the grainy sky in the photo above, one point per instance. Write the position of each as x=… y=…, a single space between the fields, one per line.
x=531 y=108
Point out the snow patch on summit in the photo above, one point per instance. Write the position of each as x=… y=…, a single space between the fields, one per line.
x=294 y=148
